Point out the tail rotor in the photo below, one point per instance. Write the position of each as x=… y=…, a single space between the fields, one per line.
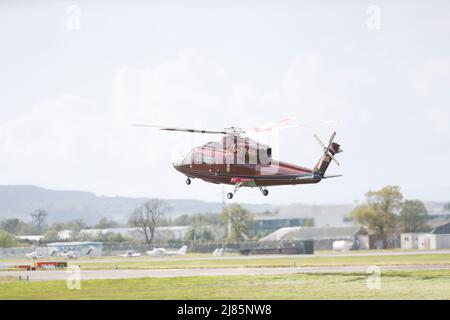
x=332 y=147
x=329 y=151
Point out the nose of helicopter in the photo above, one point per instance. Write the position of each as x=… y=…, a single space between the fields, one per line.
x=176 y=164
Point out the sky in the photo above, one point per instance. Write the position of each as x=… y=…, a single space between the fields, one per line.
x=74 y=76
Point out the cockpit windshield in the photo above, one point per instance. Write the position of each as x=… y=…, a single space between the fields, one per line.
x=189 y=158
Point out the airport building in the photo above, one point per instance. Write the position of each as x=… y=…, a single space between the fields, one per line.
x=410 y=240
x=167 y=232
x=442 y=216
x=322 y=237
x=438 y=238
x=434 y=241
x=266 y=225
x=84 y=248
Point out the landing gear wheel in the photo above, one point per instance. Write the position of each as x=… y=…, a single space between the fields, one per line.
x=229 y=195
x=188 y=181
x=265 y=192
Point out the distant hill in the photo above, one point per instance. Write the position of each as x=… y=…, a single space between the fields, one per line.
x=63 y=206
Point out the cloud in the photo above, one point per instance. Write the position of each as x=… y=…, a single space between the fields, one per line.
x=432 y=77
x=190 y=85
x=71 y=143
x=431 y=82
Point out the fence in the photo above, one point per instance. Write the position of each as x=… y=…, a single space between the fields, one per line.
x=245 y=247
x=16 y=252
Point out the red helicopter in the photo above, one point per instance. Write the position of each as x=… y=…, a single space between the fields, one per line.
x=240 y=161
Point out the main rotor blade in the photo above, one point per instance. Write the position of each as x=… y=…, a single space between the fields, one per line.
x=283 y=123
x=286 y=123
x=180 y=129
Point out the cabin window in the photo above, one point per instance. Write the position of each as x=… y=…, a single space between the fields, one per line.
x=208 y=159
x=265 y=156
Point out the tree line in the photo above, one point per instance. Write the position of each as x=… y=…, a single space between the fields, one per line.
x=385 y=212
x=234 y=219
x=233 y=224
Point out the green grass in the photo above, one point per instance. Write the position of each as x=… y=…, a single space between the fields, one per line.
x=394 y=285
x=418 y=259
x=8 y=278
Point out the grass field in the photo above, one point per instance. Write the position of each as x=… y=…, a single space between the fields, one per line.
x=394 y=285
x=418 y=259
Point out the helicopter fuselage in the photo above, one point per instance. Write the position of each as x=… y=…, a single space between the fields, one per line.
x=238 y=160
x=274 y=174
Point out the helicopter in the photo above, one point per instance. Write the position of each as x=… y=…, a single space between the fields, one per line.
x=240 y=161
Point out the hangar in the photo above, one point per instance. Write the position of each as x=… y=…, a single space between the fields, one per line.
x=438 y=238
x=323 y=237
x=84 y=248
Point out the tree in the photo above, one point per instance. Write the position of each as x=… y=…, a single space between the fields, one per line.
x=413 y=216
x=75 y=225
x=106 y=237
x=192 y=219
x=238 y=221
x=24 y=228
x=115 y=237
x=200 y=227
x=51 y=236
x=163 y=221
x=199 y=224
x=105 y=223
x=202 y=235
x=58 y=226
x=7 y=239
x=309 y=222
x=182 y=220
x=10 y=225
x=145 y=218
x=379 y=214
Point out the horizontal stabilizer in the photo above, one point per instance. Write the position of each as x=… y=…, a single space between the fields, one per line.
x=305 y=176
x=332 y=176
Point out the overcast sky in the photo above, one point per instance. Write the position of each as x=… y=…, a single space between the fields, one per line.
x=75 y=74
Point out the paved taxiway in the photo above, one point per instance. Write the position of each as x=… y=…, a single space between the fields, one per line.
x=164 y=273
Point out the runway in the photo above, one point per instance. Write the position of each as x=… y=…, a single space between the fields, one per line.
x=166 y=273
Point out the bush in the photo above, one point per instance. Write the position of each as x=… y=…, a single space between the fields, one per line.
x=51 y=236
x=7 y=239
